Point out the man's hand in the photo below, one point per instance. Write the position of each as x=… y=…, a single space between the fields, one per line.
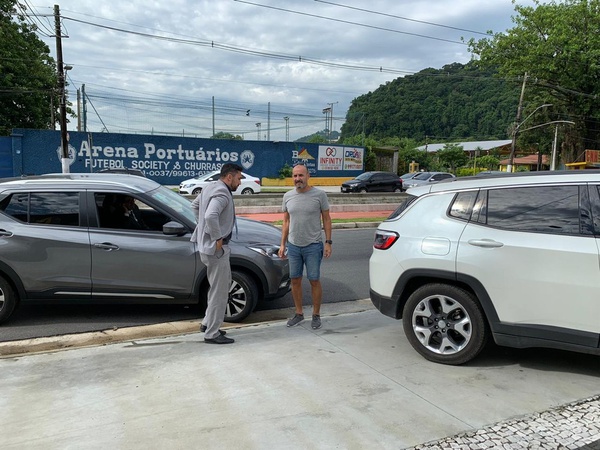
x=219 y=244
x=281 y=252
x=327 y=250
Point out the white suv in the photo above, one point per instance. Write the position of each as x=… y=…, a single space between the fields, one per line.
x=513 y=257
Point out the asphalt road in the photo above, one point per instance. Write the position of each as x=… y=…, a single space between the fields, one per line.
x=344 y=277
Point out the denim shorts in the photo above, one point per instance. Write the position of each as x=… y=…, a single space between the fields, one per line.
x=309 y=256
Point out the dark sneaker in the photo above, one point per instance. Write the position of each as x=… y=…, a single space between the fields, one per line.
x=220 y=339
x=295 y=320
x=203 y=329
x=316 y=322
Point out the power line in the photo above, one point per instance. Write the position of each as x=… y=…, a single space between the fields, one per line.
x=247 y=51
x=33 y=18
x=352 y=23
x=402 y=18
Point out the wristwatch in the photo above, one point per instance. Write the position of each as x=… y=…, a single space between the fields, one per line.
x=328 y=241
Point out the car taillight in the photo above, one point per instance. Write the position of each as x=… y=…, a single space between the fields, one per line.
x=257 y=182
x=385 y=239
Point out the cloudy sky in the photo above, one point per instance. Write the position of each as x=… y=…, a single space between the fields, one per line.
x=194 y=66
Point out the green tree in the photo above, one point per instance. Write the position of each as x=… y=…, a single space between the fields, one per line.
x=223 y=135
x=458 y=102
x=317 y=139
x=488 y=162
x=558 y=45
x=28 y=79
x=452 y=156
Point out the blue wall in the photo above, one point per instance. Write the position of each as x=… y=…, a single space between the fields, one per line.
x=6 y=163
x=171 y=159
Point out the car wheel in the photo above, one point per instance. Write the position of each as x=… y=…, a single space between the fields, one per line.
x=247 y=191
x=362 y=190
x=197 y=191
x=397 y=189
x=445 y=324
x=8 y=300
x=243 y=296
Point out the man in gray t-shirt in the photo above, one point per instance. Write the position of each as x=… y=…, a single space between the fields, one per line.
x=303 y=209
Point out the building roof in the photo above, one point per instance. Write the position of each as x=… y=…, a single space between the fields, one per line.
x=468 y=146
x=526 y=160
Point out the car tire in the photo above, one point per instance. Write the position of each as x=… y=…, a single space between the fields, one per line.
x=247 y=191
x=463 y=332
x=196 y=191
x=363 y=190
x=8 y=300
x=243 y=296
x=397 y=189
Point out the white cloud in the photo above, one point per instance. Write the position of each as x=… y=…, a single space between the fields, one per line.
x=114 y=65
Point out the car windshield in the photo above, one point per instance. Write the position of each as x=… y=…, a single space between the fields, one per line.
x=363 y=176
x=422 y=176
x=174 y=201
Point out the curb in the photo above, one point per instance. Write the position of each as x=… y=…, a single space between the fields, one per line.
x=168 y=329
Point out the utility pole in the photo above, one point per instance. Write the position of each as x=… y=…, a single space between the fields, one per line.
x=554 y=148
x=330 y=119
x=64 y=141
x=258 y=131
x=78 y=110
x=269 y=121
x=327 y=111
x=513 y=144
x=287 y=128
x=84 y=108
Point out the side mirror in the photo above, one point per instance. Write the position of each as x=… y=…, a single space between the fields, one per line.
x=174 y=229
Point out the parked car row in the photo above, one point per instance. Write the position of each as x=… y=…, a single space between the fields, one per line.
x=60 y=242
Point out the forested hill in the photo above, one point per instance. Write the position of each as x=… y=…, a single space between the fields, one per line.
x=458 y=102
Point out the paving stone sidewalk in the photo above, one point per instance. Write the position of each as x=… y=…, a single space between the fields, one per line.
x=574 y=426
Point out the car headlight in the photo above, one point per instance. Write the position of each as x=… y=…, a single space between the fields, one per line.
x=185 y=186
x=268 y=250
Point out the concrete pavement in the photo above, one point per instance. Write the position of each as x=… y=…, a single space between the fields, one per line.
x=356 y=383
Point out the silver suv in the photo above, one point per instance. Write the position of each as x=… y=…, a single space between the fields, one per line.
x=65 y=238
x=513 y=258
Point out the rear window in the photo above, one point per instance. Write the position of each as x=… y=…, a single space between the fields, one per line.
x=463 y=205
x=405 y=204
x=46 y=208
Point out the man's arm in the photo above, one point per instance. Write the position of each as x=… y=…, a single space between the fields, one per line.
x=327 y=228
x=212 y=227
x=285 y=231
x=196 y=205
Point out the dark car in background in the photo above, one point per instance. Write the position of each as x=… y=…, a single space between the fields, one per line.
x=373 y=182
x=58 y=244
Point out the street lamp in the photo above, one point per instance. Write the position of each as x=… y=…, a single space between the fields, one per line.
x=258 y=131
x=287 y=128
x=554 y=143
x=514 y=136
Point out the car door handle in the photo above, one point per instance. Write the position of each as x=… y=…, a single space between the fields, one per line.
x=485 y=243
x=5 y=233
x=107 y=246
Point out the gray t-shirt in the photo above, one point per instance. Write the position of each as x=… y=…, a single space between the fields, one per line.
x=305 y=215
